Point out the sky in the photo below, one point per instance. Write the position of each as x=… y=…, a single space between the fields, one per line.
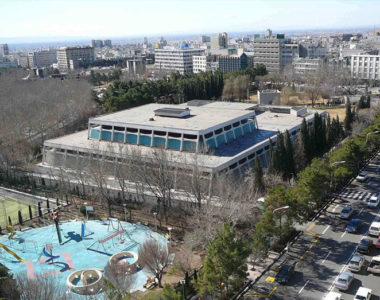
x=52 y=19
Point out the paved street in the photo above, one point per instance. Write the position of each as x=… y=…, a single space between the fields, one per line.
x=324 y=249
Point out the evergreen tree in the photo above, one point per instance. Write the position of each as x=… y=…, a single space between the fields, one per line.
x=290 y=168
x=349 y=118
x=272 y=158
x=258 y=176
x=225 y=266
x=280 y=154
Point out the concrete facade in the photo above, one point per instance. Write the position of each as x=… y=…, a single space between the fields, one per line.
x=365 y=66
x=180 y=60
x=69 y=58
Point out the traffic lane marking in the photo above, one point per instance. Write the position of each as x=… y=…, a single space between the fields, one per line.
x=324 y=231
x=311 y=226
x=343 y=234
x=335 y=208
x=323 y=261
x=300 y=291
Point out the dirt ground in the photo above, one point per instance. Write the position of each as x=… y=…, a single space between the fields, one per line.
x=338 y=111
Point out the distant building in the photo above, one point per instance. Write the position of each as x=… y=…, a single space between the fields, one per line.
x=268 y=97
x=136 y=65
x=22 y=61
x=312 y=50
x=365 y=66
x=204 y=39
x=307 y=65
x=204 y=63
x=4 y=50
x=268 y=33
x=268 y=52
x=43 y=58
x=180 y=60
x=96 y=43
x=289 y=52
x=107 y=43
x=234 y=62
x=220 y=41
x=70 y=58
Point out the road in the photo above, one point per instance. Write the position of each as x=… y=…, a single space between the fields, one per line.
x=324 y=248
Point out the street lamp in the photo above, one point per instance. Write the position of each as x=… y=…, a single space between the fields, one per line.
x=369 y=133
x=155 y=216
x=280 y=209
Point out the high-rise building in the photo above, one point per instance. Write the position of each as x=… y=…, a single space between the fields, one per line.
x=70 y=58
x=289 y=52
x=365 y=66
x=204 y=39
x=268 y=52
x=4 y=50
x=268 y=33
x=43 y=58
x=97 y=43
x=180 y=60
x=230 y=63
x=107 y=43
x=220 y=41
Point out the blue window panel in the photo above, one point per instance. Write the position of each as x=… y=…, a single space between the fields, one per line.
x=189 y=146
x=211 y=143
x=131 y=138
x=252 y=126
x=106 y=135
x=201 y=146
x=94 y=134
x=246 y=128
x=220 y=139
x=118 y=137
x=174 y=144
x=238 y=132
x=230 y=136
x=145 y=140
x=159 y=142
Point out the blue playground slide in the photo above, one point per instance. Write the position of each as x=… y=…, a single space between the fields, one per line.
x=51 y=257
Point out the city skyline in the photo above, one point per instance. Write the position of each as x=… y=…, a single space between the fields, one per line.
x=87 y=19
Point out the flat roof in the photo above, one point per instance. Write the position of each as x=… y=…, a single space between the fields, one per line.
x=202 y=118
x=269 y=123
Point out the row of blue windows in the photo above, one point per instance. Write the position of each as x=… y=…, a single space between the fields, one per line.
x=144 y=140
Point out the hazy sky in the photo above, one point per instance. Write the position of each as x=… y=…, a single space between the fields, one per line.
x=123 y=18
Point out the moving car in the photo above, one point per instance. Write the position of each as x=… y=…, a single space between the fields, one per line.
x=356 y=263
x=354 y=225
x=363 y=294
x=373 y=202
x=364 y=245
x=344 y=281
x=333 y=296
x=346 y=212
x=374 y=229
x=362 y=176
x=374 y=265
x=285 y=272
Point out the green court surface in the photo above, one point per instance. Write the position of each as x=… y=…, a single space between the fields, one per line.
x=12 y=206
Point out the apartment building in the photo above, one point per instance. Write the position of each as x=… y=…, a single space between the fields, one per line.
x=230 y=63
x=220 y=41
x=365 y=66
x=176 y=60
x=70 y=58
x=268 y=52
x=4 y=50
x=43 y=58
x=307 y=65
x=289 y=52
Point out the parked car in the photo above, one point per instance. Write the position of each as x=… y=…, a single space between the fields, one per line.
x=362 y=176
x=354 y=225
x=285 y=272
x=374 y=229
x=356 y=263
x=373 y=202
x=364 y=245
x=333 y=296
x=377 y=244
x=346 y=212
x=344 y=281
x=363 y=294
x=374 y=265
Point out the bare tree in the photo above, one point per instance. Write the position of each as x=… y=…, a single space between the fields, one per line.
x=118 y=281
x=42 y=288
x=154 y=256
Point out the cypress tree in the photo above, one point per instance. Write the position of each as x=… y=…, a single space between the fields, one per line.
x=258 y=176
x=290 y=169
x=280 y=154
x=272 y=158
x=349 y=117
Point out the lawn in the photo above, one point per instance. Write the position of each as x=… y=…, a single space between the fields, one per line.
x=12 y=206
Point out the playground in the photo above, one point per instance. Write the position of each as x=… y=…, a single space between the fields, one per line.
x=78 y=249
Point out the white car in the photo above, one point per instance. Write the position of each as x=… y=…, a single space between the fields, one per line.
x=373 y=202
x=362 y=176
x=363 y=294
x=333 y=296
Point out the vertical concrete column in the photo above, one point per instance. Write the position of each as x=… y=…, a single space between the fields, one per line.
x=138 y=136
x=181 y=147
x=197 y=145
x=151 y=138
x=89 y=130
x=100 y=132
x=112 y=134
x=166 y=140
x=125 y=135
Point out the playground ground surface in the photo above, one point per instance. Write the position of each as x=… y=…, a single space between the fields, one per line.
x=75 y=252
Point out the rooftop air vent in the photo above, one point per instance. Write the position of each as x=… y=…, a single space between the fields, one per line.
x=172 y=112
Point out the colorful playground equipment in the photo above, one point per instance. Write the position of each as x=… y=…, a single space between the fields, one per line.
x=48 y=252
x=125 y=262
x=117 y=233
x=85 y=282
x=11 y=252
